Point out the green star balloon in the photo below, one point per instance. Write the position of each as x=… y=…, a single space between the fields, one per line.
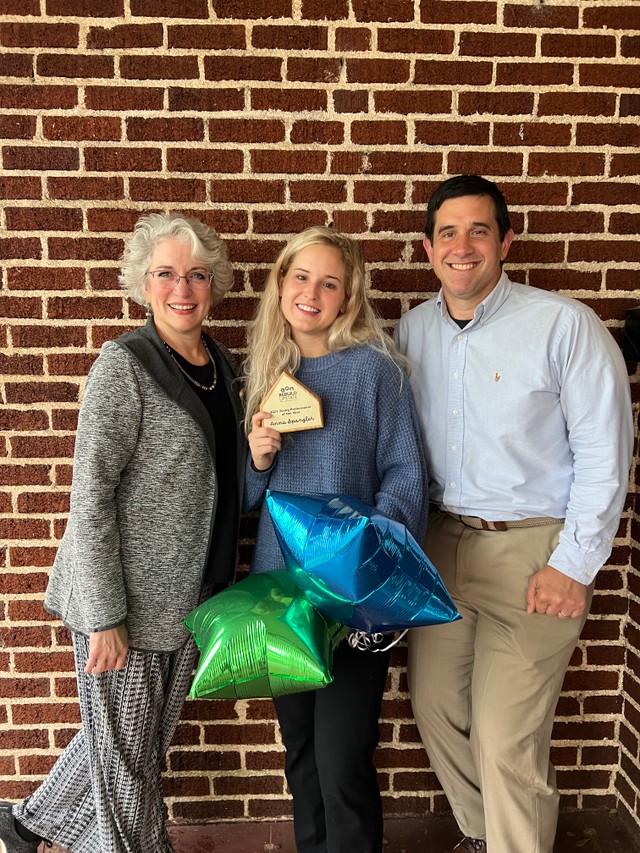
x=261 y=638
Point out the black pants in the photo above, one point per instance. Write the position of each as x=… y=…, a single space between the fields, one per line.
x=330 y=736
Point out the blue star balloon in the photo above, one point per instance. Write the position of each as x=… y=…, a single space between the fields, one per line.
x=261 y=638
x=357 y=565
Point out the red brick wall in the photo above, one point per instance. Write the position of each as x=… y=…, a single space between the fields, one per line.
x=263 y=118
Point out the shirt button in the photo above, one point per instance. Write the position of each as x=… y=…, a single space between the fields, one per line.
x=452 y=485
x=454 y=446
x=455 y=374
x=459 y=338
x=454 y=411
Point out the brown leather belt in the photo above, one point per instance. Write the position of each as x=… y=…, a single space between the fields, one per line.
x=481 y=524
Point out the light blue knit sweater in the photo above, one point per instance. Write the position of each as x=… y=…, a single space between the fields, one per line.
x=369 y=448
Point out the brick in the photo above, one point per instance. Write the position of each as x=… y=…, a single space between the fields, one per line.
x=32 y=556
x=285 y=222
x=452 y=132
x=290 y=37
x=165 y=129
x=379 y=192
x=377 y=70
x=213 y=36
x=42 y=503
x=541 y=17
x=204 y=160
x=605 y=192
x=159 y=68
x=124 y=36
x=21 y=7
x=246 y=130
x=398 y=221
x=315 y=192
x=128 y=159
x=288 y=162
x=315 y=70
x=36 y=97
x=17 y=419
x=74 y=65
x=16 y=65
x=17 y=127
x=17 y=247
x=43 y=219
x=620 y=135
x=624 y=223
x=86 y=188
x=170 y=8
x=21 y=365
x=111 y=219
x=88 y=308
x=630 y=46
x=566 y=164
x=405 y=103
x=248 y=191
x=452 y=72
x=22 y=34
x=383 y=10
x=534 y=74
x=565 y=222
x=620 y=76
x=576 y=104
x=624 y=165
x=319 y=10
x=119 y=98
x=416 y=41
x=166 y=190
x=206 y=100
x=497 y=44
x=450 y=12
x=69 y=364
x=84 y=248
x=252 y=9
x=379 y=133
x=40 y=158
x=532 y=133
x=578 y=45
x=86 y=8
x=288 y=100
x=620 y=16
x=242 y=68
x=499 y=103
x=24 y=528
x=350 y=39
x=76 y=128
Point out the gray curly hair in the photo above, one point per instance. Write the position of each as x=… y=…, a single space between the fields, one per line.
x=150 y=230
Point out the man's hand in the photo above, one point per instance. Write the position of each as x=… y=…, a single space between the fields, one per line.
x=107 y=650
x=556 y=594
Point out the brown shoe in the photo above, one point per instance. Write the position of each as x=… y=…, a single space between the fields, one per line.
x=472 y=845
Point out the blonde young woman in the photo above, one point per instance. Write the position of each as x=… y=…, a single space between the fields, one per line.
x=155 y=505
x=315 y=321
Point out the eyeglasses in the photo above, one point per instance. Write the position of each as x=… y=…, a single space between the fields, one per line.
x=169 y=278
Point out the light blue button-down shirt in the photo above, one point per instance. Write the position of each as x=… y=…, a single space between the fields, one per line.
x=525 y=412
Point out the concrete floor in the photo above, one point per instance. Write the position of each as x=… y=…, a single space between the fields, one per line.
x=578 y=831
x=588 y=832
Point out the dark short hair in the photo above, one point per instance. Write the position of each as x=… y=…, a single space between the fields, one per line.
x=467 y=185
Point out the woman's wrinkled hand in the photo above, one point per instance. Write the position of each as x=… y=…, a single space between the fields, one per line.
x=264 y=442
x=107 y=650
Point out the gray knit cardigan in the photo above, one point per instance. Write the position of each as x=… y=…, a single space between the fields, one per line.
x=143 y=499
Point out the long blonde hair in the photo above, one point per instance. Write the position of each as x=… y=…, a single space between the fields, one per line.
x=270 y=342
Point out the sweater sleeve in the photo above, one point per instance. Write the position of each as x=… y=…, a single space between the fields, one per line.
x=107 y=435
x=403 y=492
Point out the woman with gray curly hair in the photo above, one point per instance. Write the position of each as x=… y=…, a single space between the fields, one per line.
x=155 y=506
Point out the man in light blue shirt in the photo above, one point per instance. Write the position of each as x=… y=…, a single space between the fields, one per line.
x=525 y=412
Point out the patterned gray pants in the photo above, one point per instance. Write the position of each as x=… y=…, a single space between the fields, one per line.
x=104 y=794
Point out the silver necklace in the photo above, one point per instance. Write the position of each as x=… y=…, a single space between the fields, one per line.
x=189 y=377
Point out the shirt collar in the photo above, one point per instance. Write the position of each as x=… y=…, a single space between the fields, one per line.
x=486 y=309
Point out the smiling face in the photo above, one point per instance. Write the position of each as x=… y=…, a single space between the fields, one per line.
x=466 y=252
x=178 y=309
x=312 y=295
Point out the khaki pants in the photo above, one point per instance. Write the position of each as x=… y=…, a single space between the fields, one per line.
x=484 y=689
